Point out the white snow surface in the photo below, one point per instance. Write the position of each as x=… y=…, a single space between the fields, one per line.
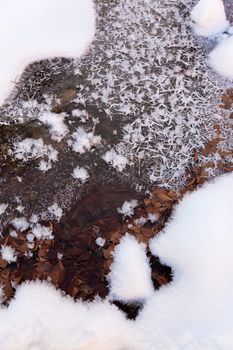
x=221 y=58
x=40 y=318
x=130 y=275
x=209 y=18
x=193 y=312
x=35 y=30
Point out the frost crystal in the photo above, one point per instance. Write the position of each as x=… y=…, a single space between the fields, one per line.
x=80 y=174
x=127 y=208
x=8 y=253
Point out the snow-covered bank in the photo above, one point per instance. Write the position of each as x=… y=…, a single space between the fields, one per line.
x=35 y=30
x=195 y=311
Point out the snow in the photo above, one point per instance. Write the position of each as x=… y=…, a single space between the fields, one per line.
x=8 y=253
x=41 y=29
x=41 y=318
x=193 y=312
x=83 y=141
x=127 y=208
x=41 y=232
x=20 y=224
x=80 y=174
x=209 y=18
x=56 y=211
x=221 y=58
x=130 y=275
x=118 y=161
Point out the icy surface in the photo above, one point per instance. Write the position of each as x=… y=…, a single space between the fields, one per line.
x=40 y=318
x=32 y=31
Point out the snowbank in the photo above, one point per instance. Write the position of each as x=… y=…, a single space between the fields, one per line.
x=34 y=30
x=40 y=318
x=209 y=18
x=221 y=58
x=196 y=310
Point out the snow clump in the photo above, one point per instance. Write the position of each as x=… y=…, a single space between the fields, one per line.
x=130 y=275
x=209 y=18
x=221 y=58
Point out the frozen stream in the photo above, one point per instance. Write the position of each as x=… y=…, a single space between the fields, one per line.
x=143 y=89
